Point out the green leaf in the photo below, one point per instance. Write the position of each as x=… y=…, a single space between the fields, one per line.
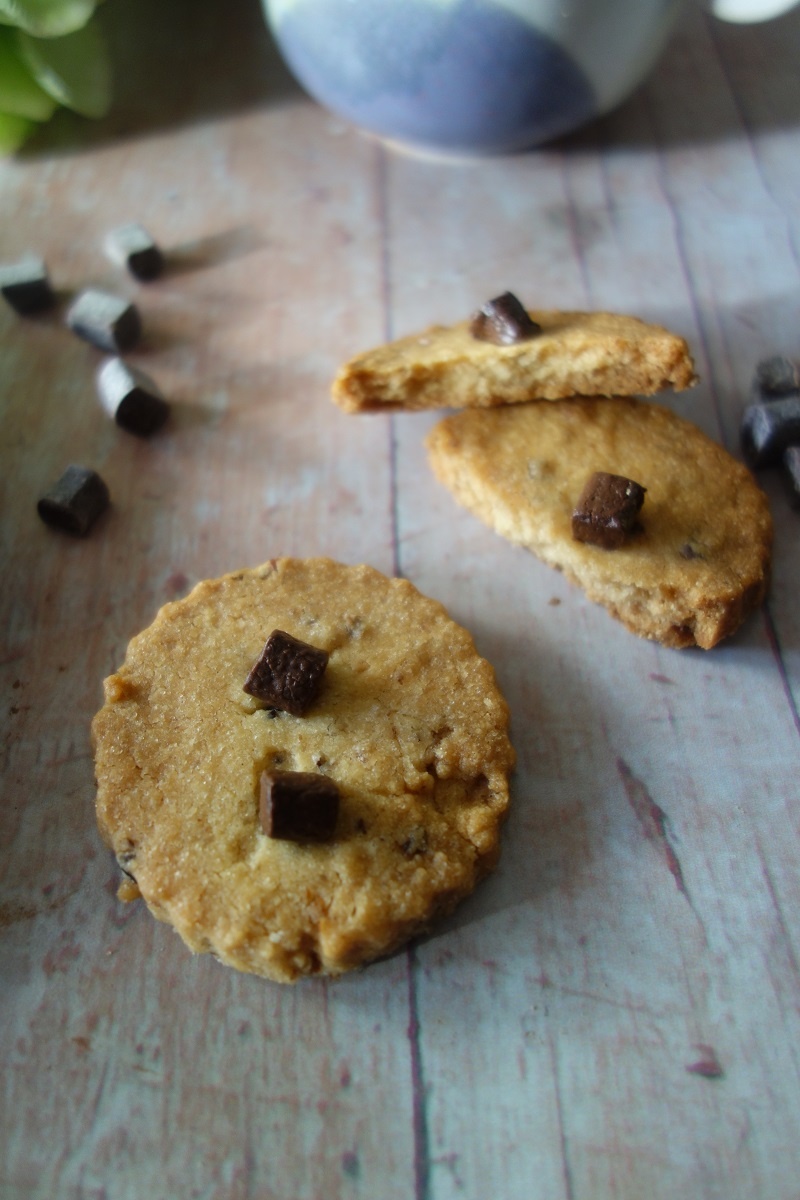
x=13 y=131
x=20 y=94
x=74 y=70
x=47 y=18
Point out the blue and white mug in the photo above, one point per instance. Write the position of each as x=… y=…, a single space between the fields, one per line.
x=479 y=76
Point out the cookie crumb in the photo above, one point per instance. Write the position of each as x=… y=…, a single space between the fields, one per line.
x=128 y=891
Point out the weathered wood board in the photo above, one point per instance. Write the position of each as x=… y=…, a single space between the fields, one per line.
x=615 y=1013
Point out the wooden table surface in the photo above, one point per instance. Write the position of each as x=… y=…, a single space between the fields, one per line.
x=615 y=1012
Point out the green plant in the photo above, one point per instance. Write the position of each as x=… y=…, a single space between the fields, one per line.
x=51 y=53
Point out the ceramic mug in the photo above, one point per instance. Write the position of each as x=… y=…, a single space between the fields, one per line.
x=479 y=76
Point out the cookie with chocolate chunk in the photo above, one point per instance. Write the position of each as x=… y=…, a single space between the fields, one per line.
x=570 y=353
x=293 y=843
x=697 y=561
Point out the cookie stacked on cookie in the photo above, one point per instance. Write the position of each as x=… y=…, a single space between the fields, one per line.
x=553 y=450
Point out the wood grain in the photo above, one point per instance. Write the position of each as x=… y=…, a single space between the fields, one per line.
x=614 y=1014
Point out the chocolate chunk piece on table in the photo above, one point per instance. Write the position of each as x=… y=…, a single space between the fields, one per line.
x=131 y=246
x=791 y=471
x=107 y=321
x=75 y=501
x=776 y=376
x=131 y=398
x=768 y=429
x=26 y=285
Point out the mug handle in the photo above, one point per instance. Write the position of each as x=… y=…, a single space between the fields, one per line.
x=746 y=12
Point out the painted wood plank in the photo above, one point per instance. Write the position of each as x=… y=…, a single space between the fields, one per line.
x=132 y=1067
x=614 y=1013
x=619 y=948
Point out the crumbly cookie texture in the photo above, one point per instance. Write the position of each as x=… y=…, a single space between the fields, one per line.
x=576 y=353
x=700 y=562
x=409 y=723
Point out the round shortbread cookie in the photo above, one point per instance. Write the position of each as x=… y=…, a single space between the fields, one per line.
x=700 y=562
x=409 y=723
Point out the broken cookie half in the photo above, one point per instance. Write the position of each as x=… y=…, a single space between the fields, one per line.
x=508 y=355
x=693 y=564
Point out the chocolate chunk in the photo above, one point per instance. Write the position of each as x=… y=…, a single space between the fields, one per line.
x=288 y=674
x=107 y=321
x=607 y=509
x=298 y=806
x=132 y=246
x=131 y=398
x=776 y=376
x=75 y=502
x=791 y=470
x=26 y=285
x=503 y=321
x=767 y=430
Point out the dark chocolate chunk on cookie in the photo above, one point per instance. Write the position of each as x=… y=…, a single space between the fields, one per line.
x=503 y=321
x=288 y=674
x=298 y=806
x=607 y=510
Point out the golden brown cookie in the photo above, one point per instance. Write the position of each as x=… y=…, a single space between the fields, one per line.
x=699 y=562
x=408 y=722
x=589 y=354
